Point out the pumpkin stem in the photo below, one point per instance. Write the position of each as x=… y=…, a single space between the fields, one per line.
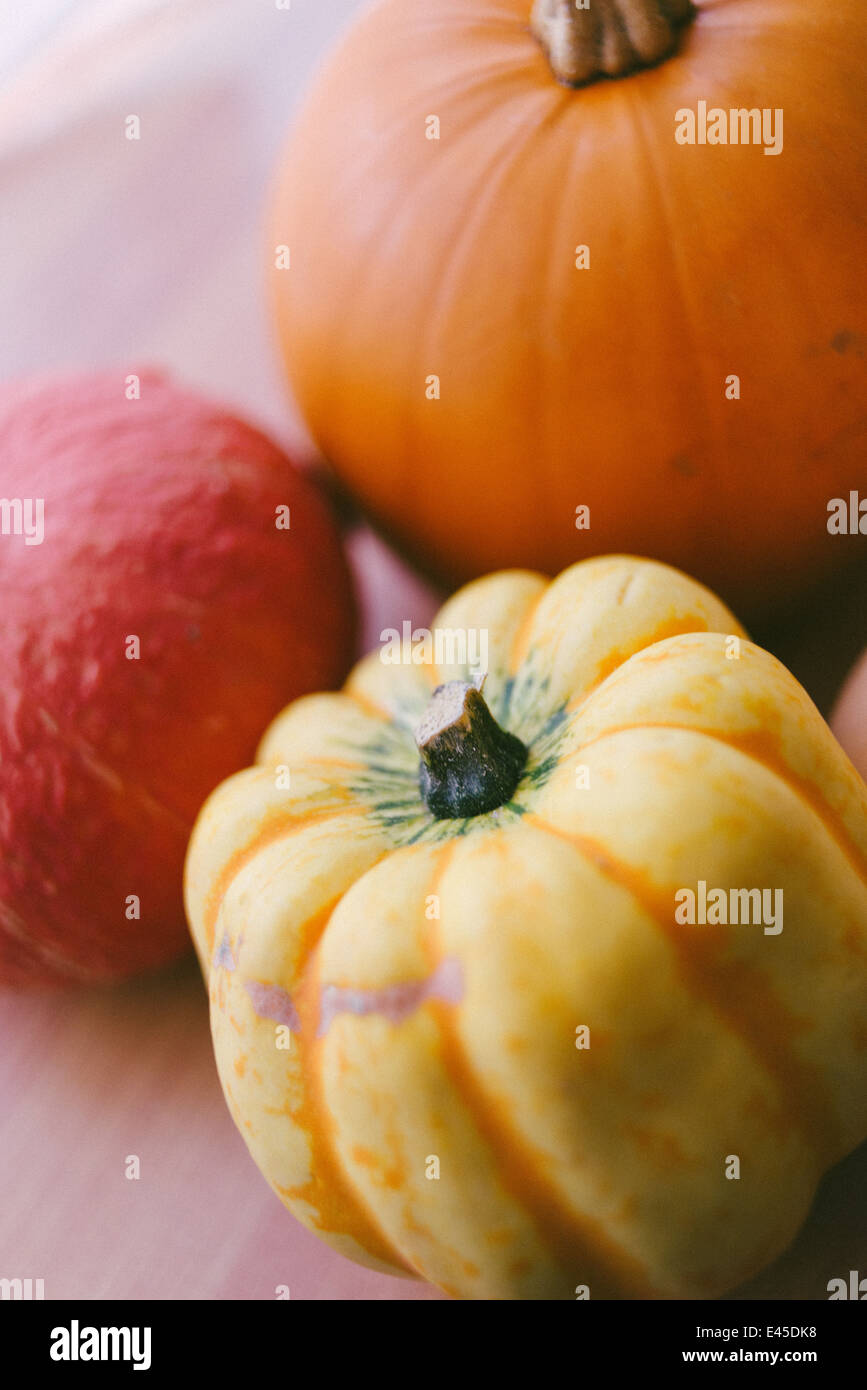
x=469 y=765
x=587 y=39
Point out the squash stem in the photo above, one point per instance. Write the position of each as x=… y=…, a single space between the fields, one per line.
x=469 y=765
x=588 y=39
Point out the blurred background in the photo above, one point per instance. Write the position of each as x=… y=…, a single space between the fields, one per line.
x=117 y=252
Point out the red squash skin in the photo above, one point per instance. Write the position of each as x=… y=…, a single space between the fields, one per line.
x=159 y=522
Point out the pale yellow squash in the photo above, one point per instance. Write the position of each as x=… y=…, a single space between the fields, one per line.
x=482 y=1048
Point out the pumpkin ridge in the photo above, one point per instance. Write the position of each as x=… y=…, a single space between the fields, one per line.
x=712 y=400
x=758 y=1028
x=608 y=1269
x=497 y=171
x=755 y=746
x=521 y=640
x=424 y=333
x=329 y=1184
x=274 y=825
x=326 y=761
x=565 y=1232
x=369 y=706
x=615 y=660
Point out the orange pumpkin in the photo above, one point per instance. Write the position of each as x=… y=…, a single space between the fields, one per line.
x=474 y=387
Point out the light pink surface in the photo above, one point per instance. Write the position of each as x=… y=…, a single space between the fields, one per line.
x=114 y=252
x=88 y=1080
